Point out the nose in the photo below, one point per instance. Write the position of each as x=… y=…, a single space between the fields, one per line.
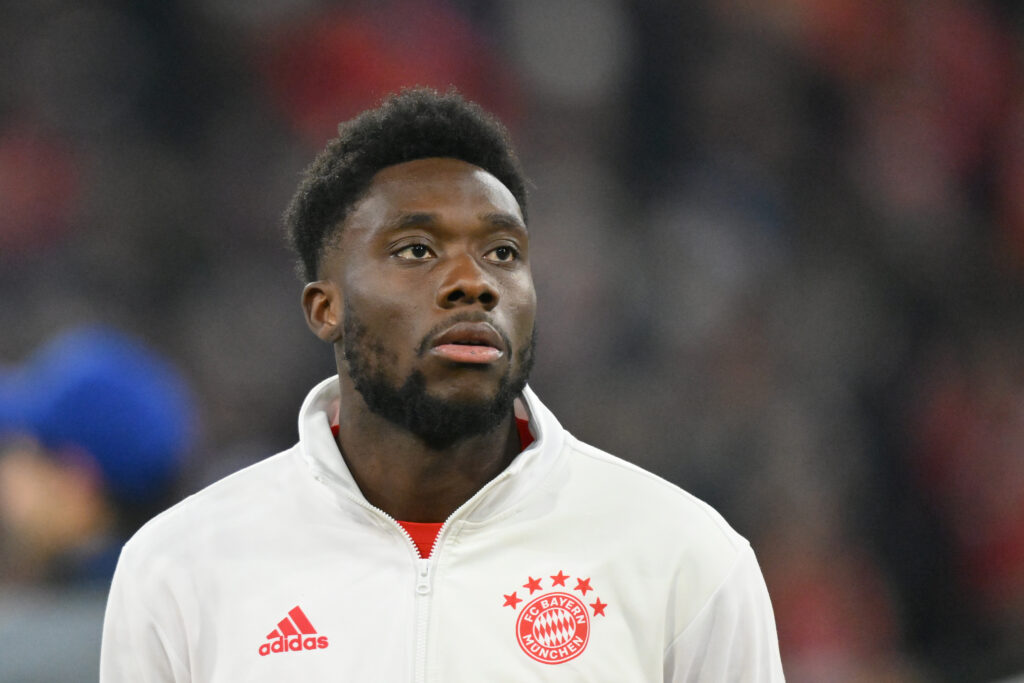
x=465 y=282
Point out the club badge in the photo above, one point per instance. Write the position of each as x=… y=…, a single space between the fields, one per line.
x=554 y=626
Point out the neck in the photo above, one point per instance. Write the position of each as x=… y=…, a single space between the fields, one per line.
x=398 y=473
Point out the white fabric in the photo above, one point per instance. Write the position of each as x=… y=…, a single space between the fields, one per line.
x=201 y=587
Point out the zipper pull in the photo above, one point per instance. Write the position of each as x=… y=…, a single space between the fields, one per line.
x=423 y=577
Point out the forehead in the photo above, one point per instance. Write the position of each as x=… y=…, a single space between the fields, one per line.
x=433 y=185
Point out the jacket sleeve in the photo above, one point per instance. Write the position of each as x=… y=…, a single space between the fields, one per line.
x=733 y=637
x=139 y=646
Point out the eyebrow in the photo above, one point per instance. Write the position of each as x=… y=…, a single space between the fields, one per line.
x=506 y=220
x=496 y=218
x=412 y=220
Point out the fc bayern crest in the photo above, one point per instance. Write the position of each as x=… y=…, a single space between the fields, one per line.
x=554 y=626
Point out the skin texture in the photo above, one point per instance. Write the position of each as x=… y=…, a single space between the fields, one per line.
x=432 y=242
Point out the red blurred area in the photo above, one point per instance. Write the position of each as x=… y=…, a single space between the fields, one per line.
x=970 y=430
x=327 y=68
x=39 y=188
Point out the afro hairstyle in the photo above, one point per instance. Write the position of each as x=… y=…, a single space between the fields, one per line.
x=414 y=124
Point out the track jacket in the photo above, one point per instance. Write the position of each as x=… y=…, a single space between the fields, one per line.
x=571 y=565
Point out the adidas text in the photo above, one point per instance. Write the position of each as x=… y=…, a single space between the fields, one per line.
x=294 y=644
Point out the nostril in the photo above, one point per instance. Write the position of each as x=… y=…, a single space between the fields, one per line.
x=485 y=296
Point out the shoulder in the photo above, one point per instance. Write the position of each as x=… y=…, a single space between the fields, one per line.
x=633 y=493
x=659 y=526
x=669 y=534
x=616 y=494
x=226 y=507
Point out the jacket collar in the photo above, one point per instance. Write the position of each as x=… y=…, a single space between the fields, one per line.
x=321 y=455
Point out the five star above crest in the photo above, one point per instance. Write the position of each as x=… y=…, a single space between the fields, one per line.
x=582 y=585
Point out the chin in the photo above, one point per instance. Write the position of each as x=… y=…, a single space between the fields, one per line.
x=462 y=409
x=467 y=393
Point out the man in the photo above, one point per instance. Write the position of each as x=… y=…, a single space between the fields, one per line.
x=434 y=522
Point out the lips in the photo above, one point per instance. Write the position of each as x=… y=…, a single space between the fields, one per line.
x=469 y=343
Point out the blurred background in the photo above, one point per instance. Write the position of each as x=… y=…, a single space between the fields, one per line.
x=779 y=248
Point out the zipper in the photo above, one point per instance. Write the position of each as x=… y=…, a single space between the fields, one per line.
x=424 y=567
x=422 y=617
x=423 y=577
x=424 y=580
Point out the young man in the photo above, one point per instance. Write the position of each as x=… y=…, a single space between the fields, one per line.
x=434 y=522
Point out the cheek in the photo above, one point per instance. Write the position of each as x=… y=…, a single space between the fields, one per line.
x=525 y=295
x=387 y=317
x=522 y=309
x=374 y=298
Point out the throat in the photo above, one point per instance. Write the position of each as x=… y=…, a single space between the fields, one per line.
x=420 y=485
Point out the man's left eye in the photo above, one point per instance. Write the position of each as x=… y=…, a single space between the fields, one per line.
x=502 y=254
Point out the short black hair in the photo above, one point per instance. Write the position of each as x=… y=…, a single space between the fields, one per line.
x=416 y=123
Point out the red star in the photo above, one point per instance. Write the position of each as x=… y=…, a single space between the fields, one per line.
x=599 y=607
x=512 y=601
x=559 y=578
x=533 y=584
x=583 y=585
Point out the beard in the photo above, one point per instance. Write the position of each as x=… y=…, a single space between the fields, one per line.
x=439 y=423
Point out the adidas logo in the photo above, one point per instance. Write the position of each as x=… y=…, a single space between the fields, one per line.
x=293 y=633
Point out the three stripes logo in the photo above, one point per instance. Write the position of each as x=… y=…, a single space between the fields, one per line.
x=293 y=634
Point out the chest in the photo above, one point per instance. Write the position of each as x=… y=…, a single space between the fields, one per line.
x=492 y=603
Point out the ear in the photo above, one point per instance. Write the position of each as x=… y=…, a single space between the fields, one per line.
x=322 y=304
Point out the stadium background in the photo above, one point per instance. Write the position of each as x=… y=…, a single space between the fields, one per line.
x=779 y=247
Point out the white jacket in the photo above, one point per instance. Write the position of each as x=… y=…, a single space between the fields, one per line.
x=571 y=565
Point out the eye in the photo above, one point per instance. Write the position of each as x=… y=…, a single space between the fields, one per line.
x=415 y=252
x=502 y=254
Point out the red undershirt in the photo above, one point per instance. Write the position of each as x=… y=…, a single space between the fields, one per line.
x=424 y=534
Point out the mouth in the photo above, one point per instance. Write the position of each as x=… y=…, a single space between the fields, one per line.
x=466 y=342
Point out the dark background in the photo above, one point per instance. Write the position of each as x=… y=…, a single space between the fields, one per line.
x=779 y=247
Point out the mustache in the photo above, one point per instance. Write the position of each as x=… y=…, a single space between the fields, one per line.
x=464 y=317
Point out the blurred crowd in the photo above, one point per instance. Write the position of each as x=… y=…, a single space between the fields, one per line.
x=779 y=248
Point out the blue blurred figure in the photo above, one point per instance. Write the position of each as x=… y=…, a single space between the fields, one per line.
x=94 y=430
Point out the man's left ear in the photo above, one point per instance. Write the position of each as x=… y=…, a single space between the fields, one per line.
x=322 y=304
